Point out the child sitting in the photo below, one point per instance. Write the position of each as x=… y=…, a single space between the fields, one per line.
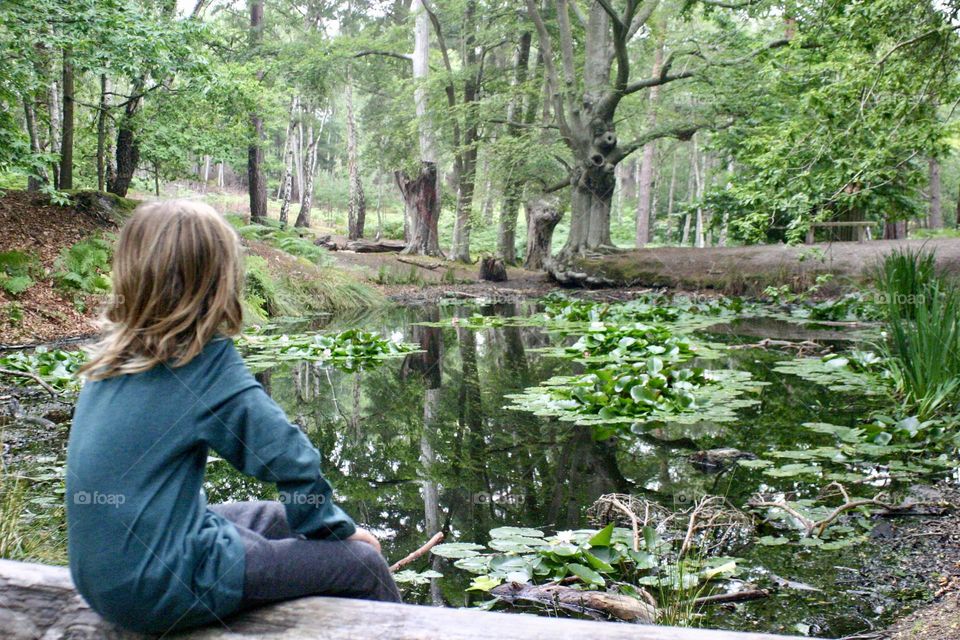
x=164 y=385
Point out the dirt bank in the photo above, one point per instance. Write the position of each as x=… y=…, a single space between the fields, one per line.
x=745 y=270
x=29 y=223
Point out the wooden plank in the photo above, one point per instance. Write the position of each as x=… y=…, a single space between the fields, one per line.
x=39 y=602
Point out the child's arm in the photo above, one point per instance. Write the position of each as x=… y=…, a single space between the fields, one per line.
x=251 y=432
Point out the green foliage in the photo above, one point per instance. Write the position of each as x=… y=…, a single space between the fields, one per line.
x=590 y=559
x=349 y=350
x=264 y=294
x=85 y=266
x=56 y=367
x=289 y=240
x=17 y=271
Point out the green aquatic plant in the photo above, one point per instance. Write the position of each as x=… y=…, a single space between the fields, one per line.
x=612 y=560
x=854 y=372
x=56 y=367
x=642 y=391
x=350 y=350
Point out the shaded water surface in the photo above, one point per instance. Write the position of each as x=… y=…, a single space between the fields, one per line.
x=425 y=443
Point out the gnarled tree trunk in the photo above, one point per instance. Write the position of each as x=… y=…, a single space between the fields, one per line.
x=423 y=209
x=543 y=215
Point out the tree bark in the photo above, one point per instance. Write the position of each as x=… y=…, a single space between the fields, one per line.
x=513 y=187
x=102 y=132
x=66 y=144
x=306 y=201
x=54 y=106
x=543 y=215
x=645 y=177
x=128 y=148
x=256 y=181
x=466 y=164
x=286 y=184
x=357 y=207
x=36 y=179
x=421 y=194
x=936 y=202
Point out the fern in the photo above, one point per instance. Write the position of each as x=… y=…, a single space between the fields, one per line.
x=84 y=266
x=16 y=271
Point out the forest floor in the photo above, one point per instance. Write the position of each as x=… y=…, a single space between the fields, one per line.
x=30 y=224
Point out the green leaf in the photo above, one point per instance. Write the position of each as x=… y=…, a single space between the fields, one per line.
x=602 y=537
x=456 y=550
x=588 y=575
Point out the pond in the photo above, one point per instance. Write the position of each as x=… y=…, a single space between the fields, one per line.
x=434 y=440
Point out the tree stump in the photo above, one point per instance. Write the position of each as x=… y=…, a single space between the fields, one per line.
x=493 y=270
x=543 y=215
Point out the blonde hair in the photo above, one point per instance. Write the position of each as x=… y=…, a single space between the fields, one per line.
x=177 y=280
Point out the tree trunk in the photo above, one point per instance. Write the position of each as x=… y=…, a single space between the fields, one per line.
x=128 y=149
x=38 y=177
x=593 y=141
x=936 y=202
x=467 y=164
x=895 y=230
x=256 y=181
x=286 y=184
x=513 y=187
x=306 y=201
x=543 y=215
x=66 y=145
x=357 y=208
x=645 y=174
x=420 y=198
x=421 y=195
x=102 y=132
x=54 y=105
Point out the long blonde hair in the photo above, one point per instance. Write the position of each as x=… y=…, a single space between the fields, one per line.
x=177 y=281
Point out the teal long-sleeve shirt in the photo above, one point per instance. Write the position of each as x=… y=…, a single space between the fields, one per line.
x=145 y=552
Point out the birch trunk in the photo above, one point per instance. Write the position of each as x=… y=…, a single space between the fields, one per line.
x=306 y=201
x=357 y=207
x=286 y=184
x=466 y=165
x=103 y=108
x=53 y=132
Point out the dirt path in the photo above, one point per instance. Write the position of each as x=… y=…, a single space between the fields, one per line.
x=419 y=279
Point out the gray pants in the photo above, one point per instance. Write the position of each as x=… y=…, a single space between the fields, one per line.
x=281 y=565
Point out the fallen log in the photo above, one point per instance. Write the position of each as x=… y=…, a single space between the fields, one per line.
x=596 y=604
x=370 y=246
x=39 y=602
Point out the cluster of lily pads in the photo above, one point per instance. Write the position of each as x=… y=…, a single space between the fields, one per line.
x=607 y=558
x=56 y=367
x=349 y=351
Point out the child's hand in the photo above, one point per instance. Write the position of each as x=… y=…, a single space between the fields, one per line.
x=362 y=535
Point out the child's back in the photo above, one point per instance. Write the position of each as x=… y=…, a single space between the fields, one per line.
x=164 y=388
